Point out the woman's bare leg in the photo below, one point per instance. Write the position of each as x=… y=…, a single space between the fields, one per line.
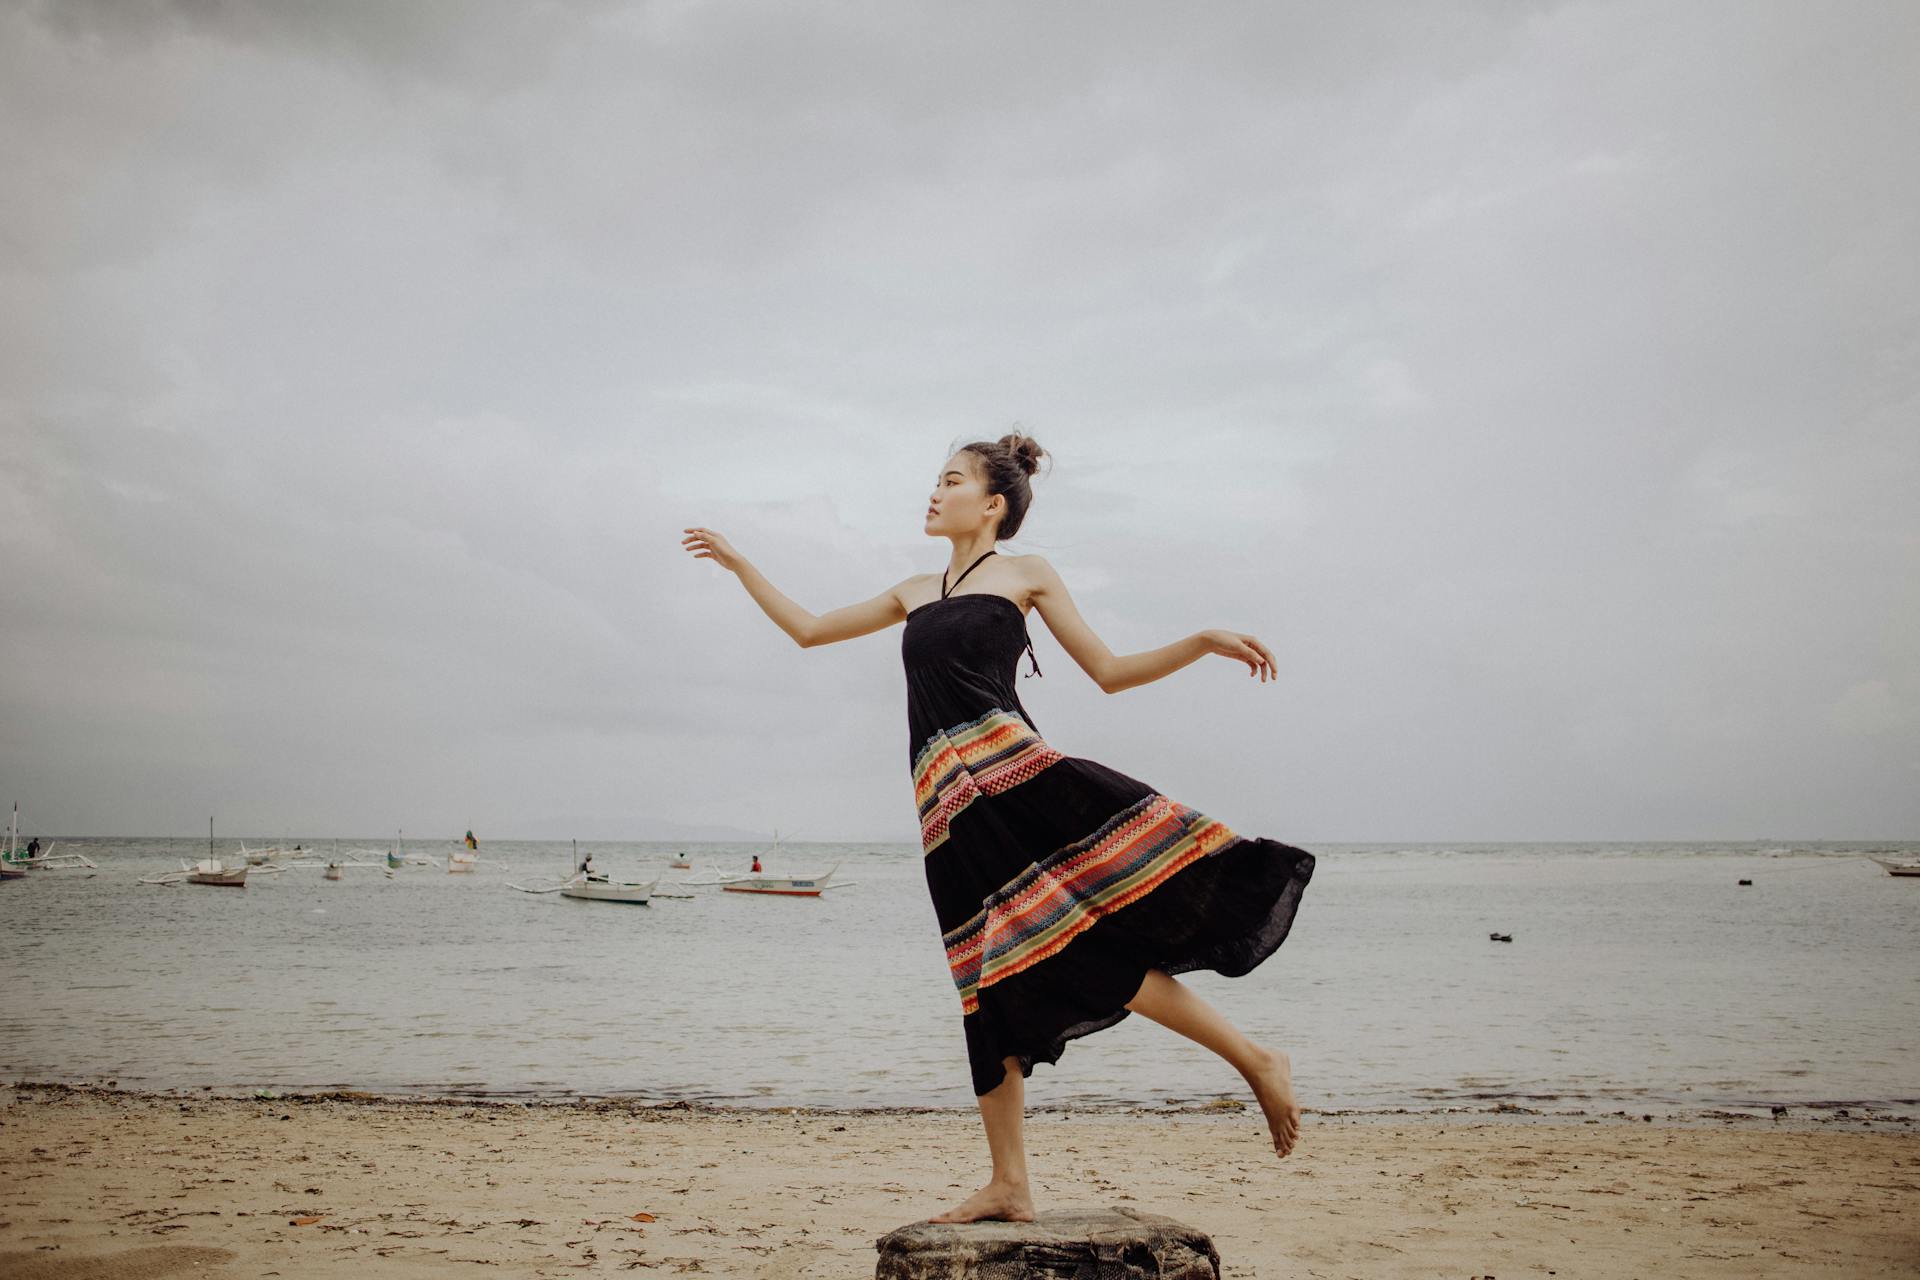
x=1172 y=1005
x=1006 y=1196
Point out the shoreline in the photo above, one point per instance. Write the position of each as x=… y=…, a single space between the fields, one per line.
x=116 y=1185
x=1864 y=1117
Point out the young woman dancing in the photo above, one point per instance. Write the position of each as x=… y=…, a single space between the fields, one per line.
x=1068 y=894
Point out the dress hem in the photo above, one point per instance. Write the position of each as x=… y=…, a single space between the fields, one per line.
x=1232 y=958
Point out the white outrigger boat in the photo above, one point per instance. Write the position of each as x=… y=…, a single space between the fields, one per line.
x=791 y=886
x=596 y=888
x=210 y=870
x=15 y=862
x=602 y=889
x=1899 y=868
x=758 y=881
x=589 y=885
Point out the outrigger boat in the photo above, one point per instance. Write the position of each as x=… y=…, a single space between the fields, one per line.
x=15 y=862
x=791 y=886
x=757 y=881
x=589 y=885
x=397 y=857
x=596 y=888
x=602 y=889
x=211 y=870
x=1899 y=868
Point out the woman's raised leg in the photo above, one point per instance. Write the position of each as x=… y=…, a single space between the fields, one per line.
x=1170 y=1003
x=1006 y=1197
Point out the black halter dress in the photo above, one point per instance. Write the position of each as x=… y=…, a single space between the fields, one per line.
x=1058 y=882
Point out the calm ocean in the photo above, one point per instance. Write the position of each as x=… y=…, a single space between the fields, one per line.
x=1640 y=977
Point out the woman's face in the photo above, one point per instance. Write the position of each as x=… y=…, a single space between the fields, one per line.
x=960 y=503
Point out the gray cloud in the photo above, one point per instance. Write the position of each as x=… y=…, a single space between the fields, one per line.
x=1540 y=381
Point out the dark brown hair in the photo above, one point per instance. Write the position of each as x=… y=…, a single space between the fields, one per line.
x=1006 y=463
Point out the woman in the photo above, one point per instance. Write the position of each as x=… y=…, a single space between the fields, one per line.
x=1068 y=894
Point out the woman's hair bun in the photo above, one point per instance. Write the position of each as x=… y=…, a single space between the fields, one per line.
x=1006 y=465
x=1026 y=451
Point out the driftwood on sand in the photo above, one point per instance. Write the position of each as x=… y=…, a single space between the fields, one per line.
x=1111 y=1244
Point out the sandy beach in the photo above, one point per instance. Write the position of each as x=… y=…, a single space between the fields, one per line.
x=111 y=1184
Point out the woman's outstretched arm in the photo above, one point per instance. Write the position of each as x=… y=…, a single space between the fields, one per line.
x=1116 y=672
x=807 y=629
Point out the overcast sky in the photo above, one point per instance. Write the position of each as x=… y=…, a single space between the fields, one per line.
x=1540 y=381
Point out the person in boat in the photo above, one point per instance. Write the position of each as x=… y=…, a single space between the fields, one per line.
x=1068 y=894
x=756 y=864
x=33 y=847
x=471 y=842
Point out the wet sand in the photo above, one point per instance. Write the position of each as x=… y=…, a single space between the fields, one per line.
x=99 y=1183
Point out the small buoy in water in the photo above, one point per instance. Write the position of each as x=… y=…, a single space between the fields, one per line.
x=1501 y=937
x=1746 y=882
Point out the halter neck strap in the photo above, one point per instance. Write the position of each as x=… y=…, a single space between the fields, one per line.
x=946 y=590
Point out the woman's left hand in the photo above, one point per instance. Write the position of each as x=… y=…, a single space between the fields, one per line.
x=1248 y=649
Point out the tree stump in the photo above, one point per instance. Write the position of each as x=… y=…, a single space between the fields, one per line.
x=1065 y=1244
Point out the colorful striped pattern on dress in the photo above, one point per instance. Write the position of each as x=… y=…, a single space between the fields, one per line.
x=1051 y=904
x=982 y=757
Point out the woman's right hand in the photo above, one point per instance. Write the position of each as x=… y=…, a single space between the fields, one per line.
x=1246 y=648
x=708 y=545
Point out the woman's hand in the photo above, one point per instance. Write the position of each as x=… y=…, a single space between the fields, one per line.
x=708 y=545
x=1248 y=649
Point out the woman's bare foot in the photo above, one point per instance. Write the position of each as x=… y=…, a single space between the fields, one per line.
x=997 y=1201
x=1273 y=1086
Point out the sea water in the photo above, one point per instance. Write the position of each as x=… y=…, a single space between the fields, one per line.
x=1640 y=977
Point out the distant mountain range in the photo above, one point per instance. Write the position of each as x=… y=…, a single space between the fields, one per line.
x=620 y=827
x=660 y=829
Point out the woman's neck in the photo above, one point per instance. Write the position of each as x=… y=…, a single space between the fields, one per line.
x=967 y=550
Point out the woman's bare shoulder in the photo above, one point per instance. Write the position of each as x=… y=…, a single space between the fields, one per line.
x=915 y=590
x=1034 y=570
x=1035 y=575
